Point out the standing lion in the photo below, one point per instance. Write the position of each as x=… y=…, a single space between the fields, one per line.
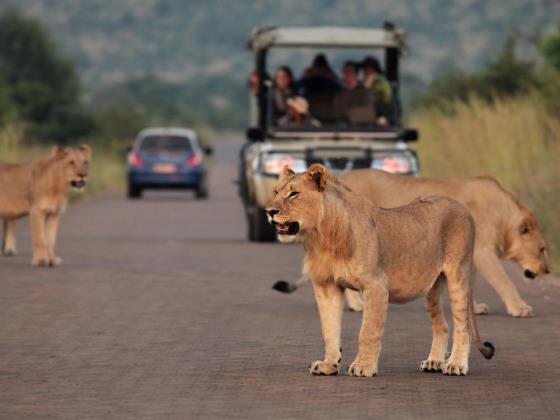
x=40 y=190
x=505 y=227
x=388 y=255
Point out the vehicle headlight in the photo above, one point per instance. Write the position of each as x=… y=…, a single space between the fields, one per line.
x=273 y=164
x=401 y=163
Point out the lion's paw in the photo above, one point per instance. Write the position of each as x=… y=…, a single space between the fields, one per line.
x=361 y=369
x=520 y=310
x=9 y=252
x=481 y=309
x=455 y=369
x=431 y=365
x=319 y=367
x=40 y=262
x=55 y=262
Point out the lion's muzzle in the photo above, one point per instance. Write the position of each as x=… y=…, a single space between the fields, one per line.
x=78 y=185
x=289 y=228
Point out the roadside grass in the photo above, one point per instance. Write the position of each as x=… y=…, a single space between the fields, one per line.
x=107 y=168
x=516 y=140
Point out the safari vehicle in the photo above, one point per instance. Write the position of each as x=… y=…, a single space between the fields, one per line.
x=340 y=147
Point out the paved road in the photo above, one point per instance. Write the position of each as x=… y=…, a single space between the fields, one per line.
x=163 y=310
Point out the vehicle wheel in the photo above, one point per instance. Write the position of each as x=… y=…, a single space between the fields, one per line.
x=201 y=191
x=259 y=228
x=134 y=191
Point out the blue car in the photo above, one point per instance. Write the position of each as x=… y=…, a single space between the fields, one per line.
x=166 y=158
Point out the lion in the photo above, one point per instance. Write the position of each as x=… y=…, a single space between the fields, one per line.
x=505 y=227
x=40 y=189
x=389 y=256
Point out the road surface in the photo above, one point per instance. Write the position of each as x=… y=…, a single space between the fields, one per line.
x=163 y=310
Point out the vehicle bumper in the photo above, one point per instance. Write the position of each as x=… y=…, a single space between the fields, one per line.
x=176 y=180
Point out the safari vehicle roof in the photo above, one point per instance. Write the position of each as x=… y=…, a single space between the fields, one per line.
x=326 y=37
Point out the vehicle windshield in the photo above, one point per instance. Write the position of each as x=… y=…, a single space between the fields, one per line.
x=349 y=92
x=165 y=145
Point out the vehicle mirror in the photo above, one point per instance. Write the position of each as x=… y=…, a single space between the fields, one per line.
x=410 y=134
x=254 y=134
x=208 y=150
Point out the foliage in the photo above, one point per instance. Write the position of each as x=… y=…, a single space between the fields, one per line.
x=550 y=47
x=505 y=77
x=37 y=84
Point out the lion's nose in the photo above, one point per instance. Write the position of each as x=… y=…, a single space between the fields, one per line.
x=272 y=211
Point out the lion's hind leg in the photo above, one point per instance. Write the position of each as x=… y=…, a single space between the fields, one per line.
x=9 y=238
x=458 y=287
x=440 y=330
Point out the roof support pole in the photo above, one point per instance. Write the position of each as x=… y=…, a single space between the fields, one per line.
x=392 y=71
x=260 y=65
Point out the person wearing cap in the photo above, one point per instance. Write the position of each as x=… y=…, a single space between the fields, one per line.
x=297 y=114
x=374 y=80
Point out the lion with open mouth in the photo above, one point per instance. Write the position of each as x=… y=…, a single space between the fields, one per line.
x=39 y=189
x=389 y=256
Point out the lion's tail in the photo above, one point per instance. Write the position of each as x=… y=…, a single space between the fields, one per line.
x=287 y=287
x=487 y=348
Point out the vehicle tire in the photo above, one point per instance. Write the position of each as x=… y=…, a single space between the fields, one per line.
x=134 y=191
x=201 y=191
x=259 y=230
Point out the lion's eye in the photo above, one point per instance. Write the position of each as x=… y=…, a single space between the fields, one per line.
x=542 y=250
x=293 y=194
x=72 y=162
x=275 y=192
x=85 y=162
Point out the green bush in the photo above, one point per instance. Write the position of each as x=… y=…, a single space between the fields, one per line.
x=37 y=84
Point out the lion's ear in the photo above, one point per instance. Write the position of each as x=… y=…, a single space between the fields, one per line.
x=526 y=226
x=58 y=152
x=318 y=174
x=286 y=172
x=86 y=150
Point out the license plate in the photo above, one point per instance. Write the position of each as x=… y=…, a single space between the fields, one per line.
x=164 y=168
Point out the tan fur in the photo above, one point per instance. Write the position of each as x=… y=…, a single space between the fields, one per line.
x=391 y=255
x=505 y=228
x=40 y=189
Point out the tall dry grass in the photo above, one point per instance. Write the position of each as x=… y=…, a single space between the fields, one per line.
x=107 y=169
x=516 y=140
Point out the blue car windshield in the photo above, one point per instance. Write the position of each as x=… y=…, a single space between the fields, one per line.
x=166 y=144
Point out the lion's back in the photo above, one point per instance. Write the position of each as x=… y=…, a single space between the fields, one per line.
x=418 y=240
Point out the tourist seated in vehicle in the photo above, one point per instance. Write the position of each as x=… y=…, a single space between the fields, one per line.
x=354 y=104
x=319 y=84
x=283 y=89
x=297 y=115
x=375 y=81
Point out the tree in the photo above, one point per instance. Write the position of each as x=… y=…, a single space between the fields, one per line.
x=550 y=47
x=42 y=86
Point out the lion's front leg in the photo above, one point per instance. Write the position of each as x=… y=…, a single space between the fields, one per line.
x=490 y=266
x=9 y=240
x=375 y=302
x=330 y=302
x=38 y=238
x=51 y=232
